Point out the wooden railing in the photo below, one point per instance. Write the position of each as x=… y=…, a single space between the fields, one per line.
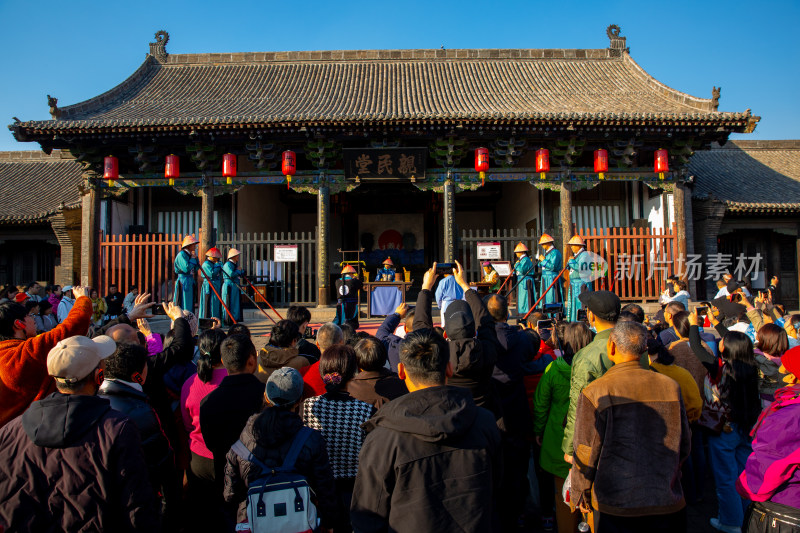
x=142 y=260
x=639 y=259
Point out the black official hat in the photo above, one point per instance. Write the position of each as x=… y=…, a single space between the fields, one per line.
x=603 y=304
x=733 y=286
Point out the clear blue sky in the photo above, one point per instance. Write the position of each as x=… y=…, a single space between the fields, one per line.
x=78 y=49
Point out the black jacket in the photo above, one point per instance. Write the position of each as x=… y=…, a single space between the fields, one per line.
x=430 y=462
x=279 y=428
x=77 y=466
x=157 y=452
x=308 y=350
x=386 y=335
x=473 y=356
x=508 y=378
x=224 y=413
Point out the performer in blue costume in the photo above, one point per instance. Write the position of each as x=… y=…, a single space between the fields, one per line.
x=579 y=270
x=185 y=267
x=388 y=271
x=550 y=265
x=230 y=286
x=347 y=288
x=523 y=269
x=209 y=303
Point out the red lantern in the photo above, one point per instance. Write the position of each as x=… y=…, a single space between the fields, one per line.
x=542 y=162
x=482 y=162
x=289 y=166
x=172 y=168
x=110 y=169
x=661 y=163
x=229 y=167
x=601 y=161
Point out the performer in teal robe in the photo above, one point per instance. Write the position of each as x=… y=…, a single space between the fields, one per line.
x=231 y=294
x=550 y=265
x=524 y=269
x=185 y=267
x=579 y=268
x=210 y=306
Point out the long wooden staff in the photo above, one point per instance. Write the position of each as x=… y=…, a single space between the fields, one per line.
x=248 y=297
x=262 y=297
x=545 y=292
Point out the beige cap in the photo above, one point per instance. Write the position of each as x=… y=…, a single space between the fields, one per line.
x=75 y=358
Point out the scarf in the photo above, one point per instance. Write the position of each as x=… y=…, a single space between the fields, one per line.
x=783 y=397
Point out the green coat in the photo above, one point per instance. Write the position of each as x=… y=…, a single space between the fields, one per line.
x=589 y=363
x=550 y=406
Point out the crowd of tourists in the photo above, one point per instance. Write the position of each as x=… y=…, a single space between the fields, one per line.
x=606 y=423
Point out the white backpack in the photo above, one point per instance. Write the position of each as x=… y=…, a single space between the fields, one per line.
x=279 y=500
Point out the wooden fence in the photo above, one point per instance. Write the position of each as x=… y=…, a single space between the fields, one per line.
x=639 y=259
x=283 y=283
x=147 y=262
x=142 y=260
x=508 y=239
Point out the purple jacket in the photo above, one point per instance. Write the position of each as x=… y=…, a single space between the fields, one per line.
x=772 y=473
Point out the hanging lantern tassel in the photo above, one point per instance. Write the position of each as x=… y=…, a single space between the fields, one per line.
x=288 y=182
x=483 y=177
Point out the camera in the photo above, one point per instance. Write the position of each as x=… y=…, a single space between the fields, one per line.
x=553 y=309
x=159 y=309
x=205 y=323
x=309 y=333
x=582 y=316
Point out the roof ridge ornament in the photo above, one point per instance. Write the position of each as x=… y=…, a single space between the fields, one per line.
x=55 y=112
x=617 y=44
x=715 y=97
x=158 y=49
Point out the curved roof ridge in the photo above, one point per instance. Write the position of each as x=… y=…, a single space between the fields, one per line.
x=138 y=76
x=703 y=104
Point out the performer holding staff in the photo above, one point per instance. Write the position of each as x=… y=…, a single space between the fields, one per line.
x=550 y=265
x=523 y=269
x=185 y=267
x=210 y=305
x=231 y=273
x=579 y=269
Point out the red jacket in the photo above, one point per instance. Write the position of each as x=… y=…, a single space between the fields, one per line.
x=23 y=363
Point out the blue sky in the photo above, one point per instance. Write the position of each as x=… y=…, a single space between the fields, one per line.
x=79 y=49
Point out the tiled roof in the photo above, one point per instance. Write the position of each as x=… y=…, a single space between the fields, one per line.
x=601 y=86
x=750 y=176
x=34 y=186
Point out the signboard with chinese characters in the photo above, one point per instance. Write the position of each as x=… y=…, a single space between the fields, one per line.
x=285 y=253
x=489 y=250
x=384 y=163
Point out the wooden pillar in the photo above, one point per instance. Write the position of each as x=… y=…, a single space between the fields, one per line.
x=323 y=216
x=449 y=216
x=90 y=238
x=678 y=202
x=566 y=217
x=206 y=218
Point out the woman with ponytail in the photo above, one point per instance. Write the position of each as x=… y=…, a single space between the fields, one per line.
x=338 y=416
x=731 y=392
x=202 y=495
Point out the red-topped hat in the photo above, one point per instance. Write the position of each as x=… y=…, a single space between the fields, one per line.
x=388 y=261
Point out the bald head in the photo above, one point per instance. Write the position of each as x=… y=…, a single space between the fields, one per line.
x=123 y=334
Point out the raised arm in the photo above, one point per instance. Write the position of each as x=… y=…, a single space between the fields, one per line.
x=422 y=314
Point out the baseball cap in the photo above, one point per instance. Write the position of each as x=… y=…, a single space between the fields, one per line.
x=790 y=361
x=603 y=304
x=66 y=288
x=284 y=386
x=75 y=358
x=458 y=321
x=21 y=298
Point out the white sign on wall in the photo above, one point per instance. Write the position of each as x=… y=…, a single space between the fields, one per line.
x=285 y=253
x=489 y=250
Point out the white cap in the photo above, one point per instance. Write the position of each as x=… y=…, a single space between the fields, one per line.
x=75 y=358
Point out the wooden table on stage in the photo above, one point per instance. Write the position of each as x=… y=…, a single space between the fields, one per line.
x=370 y=286
x=481 y=287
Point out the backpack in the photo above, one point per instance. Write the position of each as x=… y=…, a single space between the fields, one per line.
x=279 y=500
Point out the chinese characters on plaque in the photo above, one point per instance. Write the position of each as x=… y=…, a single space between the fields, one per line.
x=385 y=163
